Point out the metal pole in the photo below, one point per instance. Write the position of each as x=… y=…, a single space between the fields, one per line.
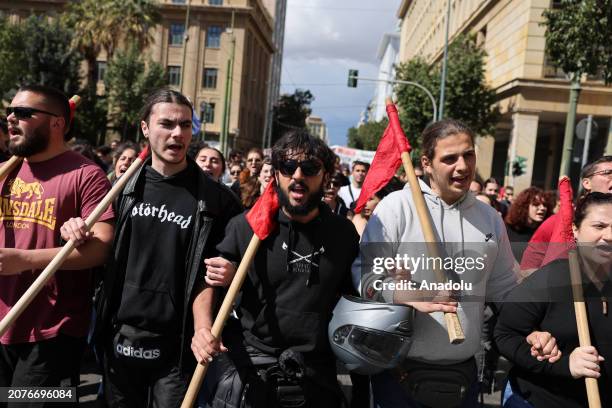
x=608 y=150
x=587 y=140
x=185 y=45
x=570 y=124
x=397 y=81
x=229 y=77
x=444 y=61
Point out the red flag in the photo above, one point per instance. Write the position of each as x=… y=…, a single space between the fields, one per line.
x=562 y=233
x=261 y=216
x=386 y=160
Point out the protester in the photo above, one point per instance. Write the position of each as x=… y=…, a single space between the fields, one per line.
x=254 y=161
x=212 y=162
x=234 y=172
x=105 y=153
x=361 y=219
x=84 y=148
x=265 y=175
x=507 y=195
x=531 y=207
x=544 y=299
x=124 y=156
x=4 y=139
x=595 y=176
x=476 y=187
x=330 y=195
x=288 y=296
x=145 y=321
x=250 y=189
x=114 y=144
x=350 y=193
x=435 y=370
x=51 y=186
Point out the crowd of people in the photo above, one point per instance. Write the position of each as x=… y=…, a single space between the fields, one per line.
x=145 y=282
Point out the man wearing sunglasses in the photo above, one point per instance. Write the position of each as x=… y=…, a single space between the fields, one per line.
x=595 y=177
x=51 y=186
x=278 y=349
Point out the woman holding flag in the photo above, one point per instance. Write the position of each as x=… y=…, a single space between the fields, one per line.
x=544 y=302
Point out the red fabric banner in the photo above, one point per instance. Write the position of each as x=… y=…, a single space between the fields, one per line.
x=261 y=217
x=386 y=160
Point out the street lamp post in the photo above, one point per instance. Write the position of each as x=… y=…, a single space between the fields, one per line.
x=353 y=77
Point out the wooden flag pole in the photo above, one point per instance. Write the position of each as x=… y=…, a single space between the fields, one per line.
x=11 y=163
x=226 y=309
x=61 y=256
x=453 y=325
x=582 y=321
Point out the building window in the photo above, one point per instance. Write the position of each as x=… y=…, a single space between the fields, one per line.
x=215 y=2
x=174 y=75
x=100 y=70
x=178 y=1
x=213 y=37
x=177 y=32
x=209 y=80
x=207 y=112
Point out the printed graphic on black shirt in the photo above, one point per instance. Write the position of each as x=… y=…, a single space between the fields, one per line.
x=305 y=263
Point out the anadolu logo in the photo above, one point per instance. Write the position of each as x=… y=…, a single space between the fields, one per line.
x=130 y=351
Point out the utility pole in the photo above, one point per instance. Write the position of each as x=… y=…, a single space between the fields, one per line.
x=229 y=78
x=444 y=61
x=570 y=124
x=186 y=38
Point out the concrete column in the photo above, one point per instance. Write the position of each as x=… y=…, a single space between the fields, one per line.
x=522 y=143
x=484 y=155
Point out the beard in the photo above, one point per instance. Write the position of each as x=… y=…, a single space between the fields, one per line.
x=312 y=201
x=33 y=143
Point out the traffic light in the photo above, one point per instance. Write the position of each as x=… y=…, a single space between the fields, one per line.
x=519 y=166
x=352 y=78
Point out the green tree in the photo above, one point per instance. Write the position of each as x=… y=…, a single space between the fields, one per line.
x=367 y=136
x=291 y=112
x=12 y=57
x=128 y=81
x=578 y=41
x=102 y=25
x=468 y=97
x=49 y=59
x=578 y=37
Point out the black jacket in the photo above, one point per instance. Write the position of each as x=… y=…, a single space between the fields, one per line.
x=216 y=206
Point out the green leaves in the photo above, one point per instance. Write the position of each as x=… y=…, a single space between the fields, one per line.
x=128 y=81
x=468 y=97
x=578 y=37
x=367 y=136
x=291 y=112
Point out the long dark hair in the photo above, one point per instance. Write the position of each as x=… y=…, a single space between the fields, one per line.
x=440 y=130
x=588 y=200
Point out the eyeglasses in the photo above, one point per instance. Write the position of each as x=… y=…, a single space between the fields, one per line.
x=309 y=167
x=335 y=184
x=22 y=112
x=253 y=160
x=235 y=172
x=606 y=173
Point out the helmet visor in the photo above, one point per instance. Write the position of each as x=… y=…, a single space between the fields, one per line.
x=381 y=348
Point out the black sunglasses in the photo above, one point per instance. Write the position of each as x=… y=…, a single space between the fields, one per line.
x=309 y=167
x=235 y=172
x=21 y=112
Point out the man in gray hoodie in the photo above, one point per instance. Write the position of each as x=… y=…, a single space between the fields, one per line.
x=434 y=368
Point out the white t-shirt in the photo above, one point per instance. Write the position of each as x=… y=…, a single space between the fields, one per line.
x=345 y=194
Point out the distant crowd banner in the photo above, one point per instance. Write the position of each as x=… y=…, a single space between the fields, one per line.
x=348 y=155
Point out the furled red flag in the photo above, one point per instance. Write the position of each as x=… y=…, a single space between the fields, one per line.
x=562 y=233
x=386 y=159
x=262 y=216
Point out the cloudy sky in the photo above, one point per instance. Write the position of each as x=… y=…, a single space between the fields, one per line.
x=323 y=40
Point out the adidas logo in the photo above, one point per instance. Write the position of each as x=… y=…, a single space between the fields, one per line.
x=130 y=351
